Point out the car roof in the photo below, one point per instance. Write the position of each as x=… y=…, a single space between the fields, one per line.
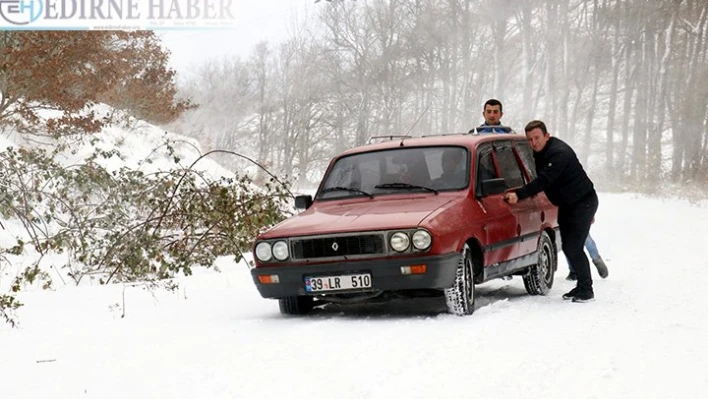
x=469 y=140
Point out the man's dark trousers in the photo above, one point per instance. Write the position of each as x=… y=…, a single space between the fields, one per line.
x=574 y=222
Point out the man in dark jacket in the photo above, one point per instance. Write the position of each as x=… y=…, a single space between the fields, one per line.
x=562 y=178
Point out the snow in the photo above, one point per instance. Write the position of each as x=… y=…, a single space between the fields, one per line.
x=215 y=337
x=141 y=146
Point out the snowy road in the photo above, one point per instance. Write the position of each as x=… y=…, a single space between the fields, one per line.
x=645 y=336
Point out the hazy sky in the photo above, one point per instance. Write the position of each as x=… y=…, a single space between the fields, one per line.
x=256 y=20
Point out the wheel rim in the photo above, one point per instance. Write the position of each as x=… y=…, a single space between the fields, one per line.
x=544 y=263
x=469 y=280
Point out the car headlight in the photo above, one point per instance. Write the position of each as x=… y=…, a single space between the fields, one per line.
x=422 y=240
x=264 y=253
x=399 y=241
x=280 y=250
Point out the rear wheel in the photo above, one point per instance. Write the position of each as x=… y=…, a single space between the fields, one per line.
x=538 y=280
x=460 y=297
x=296 y=305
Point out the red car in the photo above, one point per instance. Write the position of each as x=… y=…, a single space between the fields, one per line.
x=412 y=217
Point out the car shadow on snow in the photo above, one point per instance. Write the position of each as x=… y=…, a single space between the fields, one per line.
x=487 y=295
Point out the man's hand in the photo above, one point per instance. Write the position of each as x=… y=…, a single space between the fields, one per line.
x=511 y=198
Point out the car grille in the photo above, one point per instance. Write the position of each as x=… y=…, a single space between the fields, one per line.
x=326 y=247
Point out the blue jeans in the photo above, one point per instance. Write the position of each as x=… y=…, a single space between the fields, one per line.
x=592 y=250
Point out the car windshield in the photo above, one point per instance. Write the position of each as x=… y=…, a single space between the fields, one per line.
x=414 y=169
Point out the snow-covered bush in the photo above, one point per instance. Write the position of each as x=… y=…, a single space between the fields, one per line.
x=125 y=225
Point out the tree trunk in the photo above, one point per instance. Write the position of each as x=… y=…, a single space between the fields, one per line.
x=655 y=160
x=527 y=61
x=551 y=60
x=629 y=87
x=615 y=64
x=563 y=104
x=587 y=144
x=499 y=33
x=639 y=133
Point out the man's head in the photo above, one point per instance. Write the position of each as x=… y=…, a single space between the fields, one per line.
x=451 y=159
x=537 y=134
x=492 y=112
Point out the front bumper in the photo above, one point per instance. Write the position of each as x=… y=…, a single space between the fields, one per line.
x=385 y=275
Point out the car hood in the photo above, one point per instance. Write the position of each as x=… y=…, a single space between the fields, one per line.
x=361 y=215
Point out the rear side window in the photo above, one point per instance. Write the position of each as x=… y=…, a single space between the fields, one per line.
x=508 y=166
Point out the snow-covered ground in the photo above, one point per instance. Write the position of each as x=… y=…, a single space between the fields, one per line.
x=215 y=337
x=644 y=336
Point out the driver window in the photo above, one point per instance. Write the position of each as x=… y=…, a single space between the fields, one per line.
x=486 y=168
x=509 y=167
x=526 y=155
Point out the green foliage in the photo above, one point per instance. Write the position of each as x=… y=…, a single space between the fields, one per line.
x=8 y=306
x=127 y=225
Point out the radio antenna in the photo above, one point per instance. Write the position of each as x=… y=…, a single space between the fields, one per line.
x=418 y=120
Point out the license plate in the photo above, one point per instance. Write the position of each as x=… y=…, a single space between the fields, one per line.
x=338 y=283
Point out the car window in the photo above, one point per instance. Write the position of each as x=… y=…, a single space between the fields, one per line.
x=508 y=166
x=448 y=167
x=441 y=168
x=526 y=155
x=485 y=166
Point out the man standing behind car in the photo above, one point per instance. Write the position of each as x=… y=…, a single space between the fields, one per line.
x=492 y=113
x=563 y=179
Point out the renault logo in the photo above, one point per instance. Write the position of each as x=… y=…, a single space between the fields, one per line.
x=335 y=246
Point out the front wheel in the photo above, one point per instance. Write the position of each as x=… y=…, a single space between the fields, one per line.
x=538 y=280
x=460 y=297
x=296 y=305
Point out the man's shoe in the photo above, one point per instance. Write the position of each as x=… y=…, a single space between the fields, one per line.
x=601 y=267
x=572 y=276
x=583 y=296
x=570 y=294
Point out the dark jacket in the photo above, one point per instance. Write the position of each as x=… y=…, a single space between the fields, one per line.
x=560 y=175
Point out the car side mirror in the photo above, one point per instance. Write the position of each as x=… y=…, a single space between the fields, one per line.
x=303 y=201
x=493 y=186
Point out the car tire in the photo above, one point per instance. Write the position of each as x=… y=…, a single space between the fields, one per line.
x=538 y=280
x=296 y=305
x=460 y=297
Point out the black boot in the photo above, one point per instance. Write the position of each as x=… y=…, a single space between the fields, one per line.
x=571 y=276
x=570 y=294
x=584 y=296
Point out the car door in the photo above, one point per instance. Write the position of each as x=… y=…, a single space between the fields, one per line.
x=499 y=226
x=545 y=209
x=528 y=217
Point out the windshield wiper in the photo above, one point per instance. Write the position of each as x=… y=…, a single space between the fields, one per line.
x=406 y=186
x=350 y=189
